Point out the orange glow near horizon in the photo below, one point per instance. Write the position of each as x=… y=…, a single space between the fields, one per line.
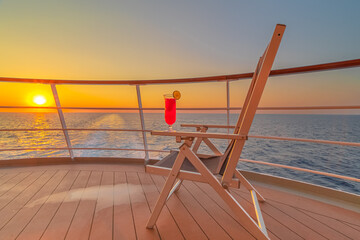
x=281 y=91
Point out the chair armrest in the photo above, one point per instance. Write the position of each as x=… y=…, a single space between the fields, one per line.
x=200 y=135
x=207 y=126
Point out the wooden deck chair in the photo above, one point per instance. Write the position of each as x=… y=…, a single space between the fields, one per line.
x=219 y=170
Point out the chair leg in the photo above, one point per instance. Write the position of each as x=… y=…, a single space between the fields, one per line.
x=175 y=188
x=258 y=213
x=245 y=219
x=248 y=185
x=178 y=185
x=166 y=190
x=254 y=196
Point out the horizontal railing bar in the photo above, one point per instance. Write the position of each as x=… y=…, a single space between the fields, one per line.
x=353 y=144
x=193 y=109
x=74 y=129
x=69 y=108
x=277 y=72
x=110 y=149
x=301 y=169
x=303 y=108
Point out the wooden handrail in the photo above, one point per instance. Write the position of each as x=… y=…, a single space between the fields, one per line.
x=277 y=72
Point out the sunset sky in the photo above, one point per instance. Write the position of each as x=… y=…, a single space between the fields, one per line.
x=127 y=40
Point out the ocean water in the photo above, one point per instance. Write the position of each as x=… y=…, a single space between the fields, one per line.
x=336 y=159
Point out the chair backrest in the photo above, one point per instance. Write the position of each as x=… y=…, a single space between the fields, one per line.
x=252 y=99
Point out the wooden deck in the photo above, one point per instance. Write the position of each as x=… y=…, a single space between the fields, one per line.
x=114 y=201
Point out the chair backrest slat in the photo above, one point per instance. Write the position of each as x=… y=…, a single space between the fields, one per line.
x=222 y=163
x=225 y=157
x=251 y=102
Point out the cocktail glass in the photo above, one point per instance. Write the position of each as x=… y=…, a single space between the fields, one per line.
x=170 y=110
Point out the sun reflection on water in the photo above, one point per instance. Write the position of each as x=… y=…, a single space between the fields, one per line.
x=36 y=138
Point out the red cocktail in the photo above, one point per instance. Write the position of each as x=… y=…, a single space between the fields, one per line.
x=170 y=110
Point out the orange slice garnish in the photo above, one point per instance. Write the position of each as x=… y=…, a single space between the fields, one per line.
x=176 y=95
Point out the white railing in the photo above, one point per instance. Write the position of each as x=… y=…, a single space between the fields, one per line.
x=140 y=109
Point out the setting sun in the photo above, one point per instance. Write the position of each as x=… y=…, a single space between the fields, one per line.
x=39 y=100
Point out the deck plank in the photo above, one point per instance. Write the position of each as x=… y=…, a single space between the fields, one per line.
x=11 y=181
x=12 y=229
x=61 y=221
x=123 y=217
x=185 y=221
x=36 y=227
x=25 y=194
x=15 y=186
x=352 y=226
x=6 y=177
x=335 y=224
x=226 y=221
x=210 y=227
x=317 y=226
x=291 y=223
x=166 y=224
x=102 y=226
x=310 y=205
x=81 y=223
x=140 y=208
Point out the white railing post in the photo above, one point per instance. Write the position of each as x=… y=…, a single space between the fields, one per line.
x=62 y=120
x=142 y=123
x=227 y=105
